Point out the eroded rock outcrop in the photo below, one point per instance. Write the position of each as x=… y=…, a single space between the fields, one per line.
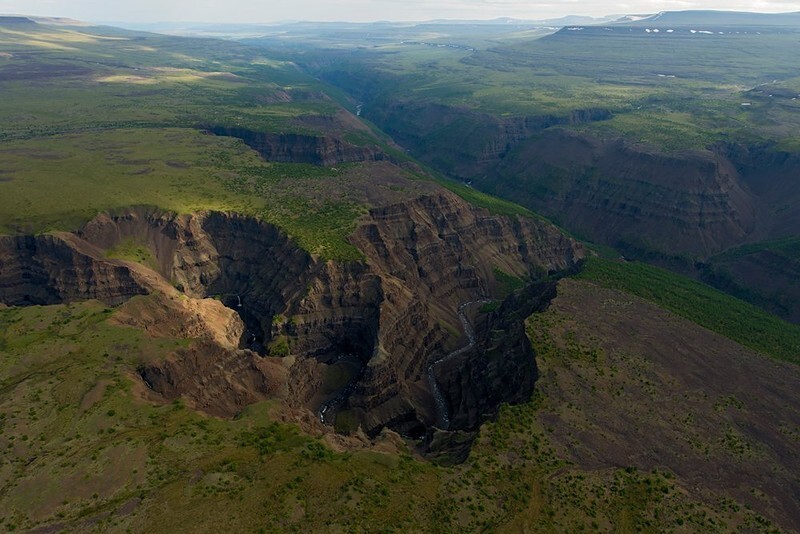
x=393 y=314
x=631 y=197
x=216 y=380
x=434 y=254
x=56 y=268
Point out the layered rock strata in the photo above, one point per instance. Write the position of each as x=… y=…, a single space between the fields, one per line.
x=397 y=311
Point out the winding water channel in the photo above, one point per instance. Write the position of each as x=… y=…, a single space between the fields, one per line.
x=443 y=416
x=328 y=409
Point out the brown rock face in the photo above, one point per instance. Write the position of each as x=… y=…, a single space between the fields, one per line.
x=174 y=315
x=692 y=203
x=50 y=269
x=433 y=255
x=216 y=380
x=393 y=315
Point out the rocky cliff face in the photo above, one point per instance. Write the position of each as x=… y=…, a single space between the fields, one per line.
x=214 y=379
x=434 y=254
x=769 y=173
x=51 y=269
x=499 y=366
x=626 y=196
x=462 y=141
x=649 y=204
x=393 y=314
x=297 y=148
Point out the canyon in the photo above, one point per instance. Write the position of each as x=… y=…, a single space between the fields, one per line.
x=679 y=209
x=272 y=321
x=344 y=277
x=624 y=194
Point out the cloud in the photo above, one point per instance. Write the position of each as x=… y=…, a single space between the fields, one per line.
x=362 y=10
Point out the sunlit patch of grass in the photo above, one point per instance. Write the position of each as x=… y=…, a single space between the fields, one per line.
x=704 y=305
x=114 y=169
x=181 y=170
x=132 y=249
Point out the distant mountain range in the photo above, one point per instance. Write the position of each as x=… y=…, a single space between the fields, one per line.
x=671 y=18
x=713 y=18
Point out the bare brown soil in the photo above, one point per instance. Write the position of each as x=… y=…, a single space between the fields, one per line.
x=629 y=384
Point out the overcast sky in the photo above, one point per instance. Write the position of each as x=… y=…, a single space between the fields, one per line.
x=361 y=10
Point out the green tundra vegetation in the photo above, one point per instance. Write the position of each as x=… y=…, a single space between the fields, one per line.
x=84 y=450
x=704 y=305
x=99 y=119
x=694 y=103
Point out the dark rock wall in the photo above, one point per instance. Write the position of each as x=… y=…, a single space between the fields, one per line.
x=501 y=368
x=397 y=311
x=51 y=269
x=691 y=203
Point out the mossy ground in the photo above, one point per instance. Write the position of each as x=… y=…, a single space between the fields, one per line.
x=704 y=305
x=85 y=451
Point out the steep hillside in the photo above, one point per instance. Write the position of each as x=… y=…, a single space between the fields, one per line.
x=228 y=302
x=626 y=383
x=424 y=259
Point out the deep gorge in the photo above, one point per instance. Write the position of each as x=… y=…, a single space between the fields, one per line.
x=397 y=311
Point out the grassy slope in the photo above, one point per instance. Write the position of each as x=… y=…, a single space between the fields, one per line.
x=61 y=183
x=82 y=450
x=721 y=313
x=625 y=382
x=102 y=119
x=696 y=101
x=764 y=274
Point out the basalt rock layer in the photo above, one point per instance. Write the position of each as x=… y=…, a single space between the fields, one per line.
x=396 y=312
x=474 y=382
x=56 y=268
x=648 y=203
x=630 y=197
x=612 y=192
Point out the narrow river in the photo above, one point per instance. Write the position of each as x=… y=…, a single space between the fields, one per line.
x=327 y=410
x=443 y=419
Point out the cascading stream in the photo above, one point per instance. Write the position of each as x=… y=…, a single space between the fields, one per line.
x=443 y=419
x=328 y=409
